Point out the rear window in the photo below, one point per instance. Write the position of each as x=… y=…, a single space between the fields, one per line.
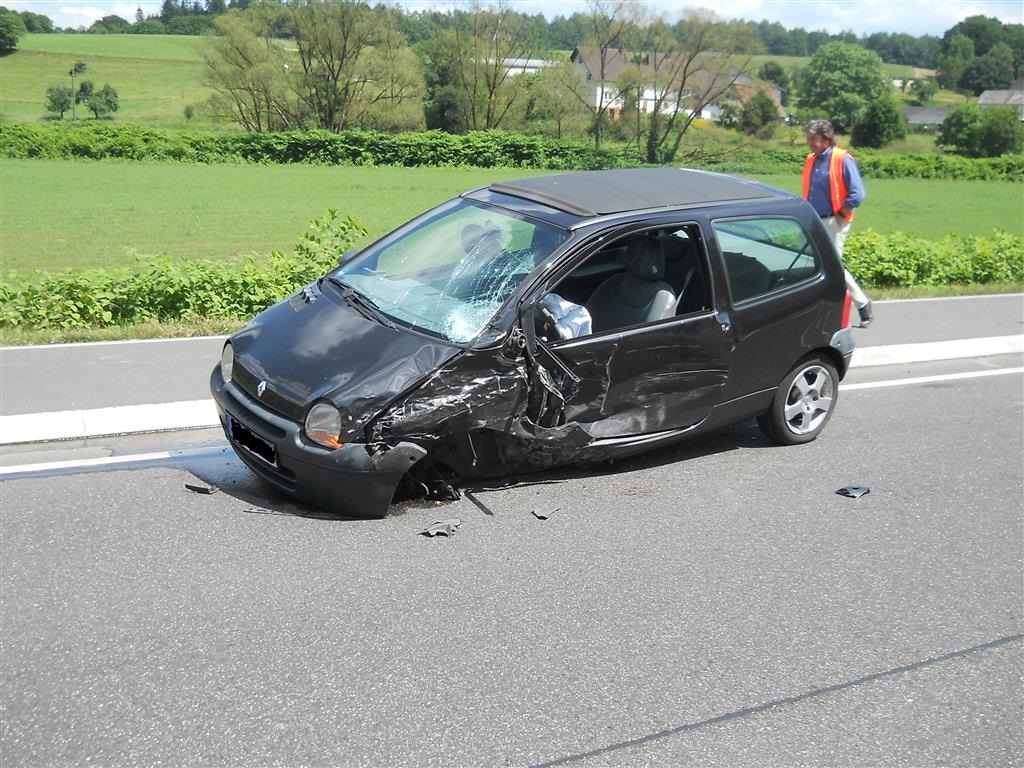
x=765 y=254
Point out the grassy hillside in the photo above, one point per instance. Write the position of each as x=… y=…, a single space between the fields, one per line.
x=61 y=214
x=155 y=76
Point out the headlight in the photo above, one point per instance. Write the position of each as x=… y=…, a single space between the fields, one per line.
x=227 y=362
x=323 y=425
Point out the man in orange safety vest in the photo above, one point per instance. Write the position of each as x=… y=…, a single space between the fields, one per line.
x=833 y=186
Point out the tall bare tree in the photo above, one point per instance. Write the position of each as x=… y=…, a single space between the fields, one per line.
x=688 y=66
x=608 y=25
x=331 y=36
x=248 y=72
x=491 y=45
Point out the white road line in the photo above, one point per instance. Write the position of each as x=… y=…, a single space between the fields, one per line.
x=117 y=420
x=895 y=354
x=109 y=343
x=27 y=470
x=158 y=457
x=929 y=379
x=952 y=298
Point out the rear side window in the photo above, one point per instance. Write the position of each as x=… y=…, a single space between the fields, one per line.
x=764 y=255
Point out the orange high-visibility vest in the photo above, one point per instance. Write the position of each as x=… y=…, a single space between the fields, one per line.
x=836 y=182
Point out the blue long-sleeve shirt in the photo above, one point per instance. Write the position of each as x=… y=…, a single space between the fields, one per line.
x=819 y=195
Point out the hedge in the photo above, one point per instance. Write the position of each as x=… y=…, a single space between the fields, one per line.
x=489 y=149
x=485 y=149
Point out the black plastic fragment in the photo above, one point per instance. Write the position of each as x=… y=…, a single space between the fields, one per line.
x=442 y=527
x=544 y=514
x=207 y=489
x=854 y=491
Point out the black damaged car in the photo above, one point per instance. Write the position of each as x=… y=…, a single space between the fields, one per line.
x=545 y=321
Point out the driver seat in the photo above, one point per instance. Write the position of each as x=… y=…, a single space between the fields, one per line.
x=638 y=295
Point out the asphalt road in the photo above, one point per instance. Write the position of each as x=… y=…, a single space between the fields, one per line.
x=83 y=376
x=713 y=604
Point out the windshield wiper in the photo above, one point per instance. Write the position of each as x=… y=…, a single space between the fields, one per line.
x=362 y=304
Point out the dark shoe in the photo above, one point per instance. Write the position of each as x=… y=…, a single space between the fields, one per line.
x=866 y=315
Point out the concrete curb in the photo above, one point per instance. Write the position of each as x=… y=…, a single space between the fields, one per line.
x=197 y=414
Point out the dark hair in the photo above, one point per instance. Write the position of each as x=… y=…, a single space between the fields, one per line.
x=822 y=128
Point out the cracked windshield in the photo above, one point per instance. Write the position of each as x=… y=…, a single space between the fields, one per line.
x=449 y=271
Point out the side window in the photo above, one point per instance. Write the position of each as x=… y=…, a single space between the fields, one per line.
x=763 y=255
x=643 y=278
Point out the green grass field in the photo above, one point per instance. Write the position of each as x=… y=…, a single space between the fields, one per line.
x=155 y=76
x=63 y=214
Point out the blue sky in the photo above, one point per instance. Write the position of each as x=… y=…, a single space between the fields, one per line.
x=915 y=17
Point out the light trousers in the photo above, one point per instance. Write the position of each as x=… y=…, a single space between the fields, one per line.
x=838 y=229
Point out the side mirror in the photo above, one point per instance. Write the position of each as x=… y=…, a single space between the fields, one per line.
x=347 y=255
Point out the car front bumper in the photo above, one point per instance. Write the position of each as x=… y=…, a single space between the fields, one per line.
x=352 y=481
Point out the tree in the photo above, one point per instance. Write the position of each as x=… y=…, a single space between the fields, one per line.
x=110 y=25
x=103 y=101
x=392 y=92
x=958 y=53
x=923 y=89
x=248 y=72
x=331 y=35
x=189 y=111
x=12 y=28
x=880 y=124
x=1000 y=132
x=607 y=23
x=772 y=72
x=982 y=31
x=86 y=88
x=551 y=98
x=491 y=48
x=687 y=67
x=994 y=70
x=58 y=99
x=840 y=81
x=960 y=132
x=759 y=116
x=36 y=22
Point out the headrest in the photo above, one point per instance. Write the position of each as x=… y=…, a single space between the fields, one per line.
x=473 y=236
x=645 y=258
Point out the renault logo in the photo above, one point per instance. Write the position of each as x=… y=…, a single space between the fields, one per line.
x=261 y=388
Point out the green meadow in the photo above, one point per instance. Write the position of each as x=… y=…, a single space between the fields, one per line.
x=69 y=214
x=155 y=76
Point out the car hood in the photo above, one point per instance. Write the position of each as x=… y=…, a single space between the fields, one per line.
x=315 y=346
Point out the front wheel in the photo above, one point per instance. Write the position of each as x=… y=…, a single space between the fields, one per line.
x=803 y=403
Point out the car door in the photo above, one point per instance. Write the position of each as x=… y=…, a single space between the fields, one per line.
x=644 y=377
x=780 y=296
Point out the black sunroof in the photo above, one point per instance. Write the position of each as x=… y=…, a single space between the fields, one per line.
x=595 y=193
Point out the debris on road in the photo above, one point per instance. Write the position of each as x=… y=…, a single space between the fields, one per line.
x=442 y=527
x=207 y=489
x=542 y=515
x=853 y=491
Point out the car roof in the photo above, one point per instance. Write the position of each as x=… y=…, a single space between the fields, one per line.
x=599 y=193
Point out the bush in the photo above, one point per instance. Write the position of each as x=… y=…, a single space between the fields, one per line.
x=165 y=289
x=899 y=260
x=434 y=148
x=879 y=124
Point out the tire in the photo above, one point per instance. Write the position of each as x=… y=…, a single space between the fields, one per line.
x=803 y=403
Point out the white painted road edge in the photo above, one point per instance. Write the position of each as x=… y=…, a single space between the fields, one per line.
x=197 y=414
